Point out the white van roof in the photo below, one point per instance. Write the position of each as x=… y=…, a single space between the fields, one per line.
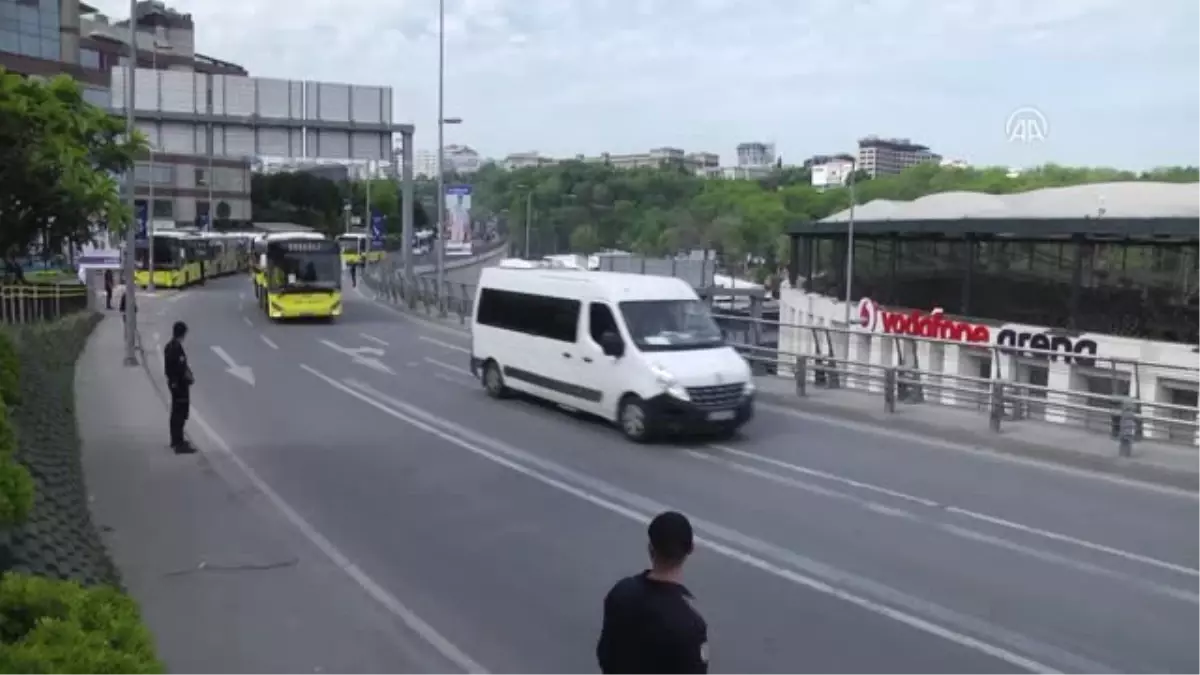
x=568 y=283
x=284 y=236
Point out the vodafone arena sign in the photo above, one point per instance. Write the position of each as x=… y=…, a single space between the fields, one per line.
x=935 y=324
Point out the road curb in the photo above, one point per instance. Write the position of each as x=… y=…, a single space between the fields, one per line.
x=988 y=441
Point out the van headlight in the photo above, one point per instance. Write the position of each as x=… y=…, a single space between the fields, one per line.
x=748 y=389
x=668 y=383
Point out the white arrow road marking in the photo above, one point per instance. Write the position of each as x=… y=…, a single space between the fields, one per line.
x=374 y=339
x=243 y=373
x=366 y=356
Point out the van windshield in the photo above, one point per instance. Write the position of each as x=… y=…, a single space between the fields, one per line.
x=670 y=325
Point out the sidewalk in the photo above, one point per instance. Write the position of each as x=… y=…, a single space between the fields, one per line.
x=225 y=583
x=1156 y=462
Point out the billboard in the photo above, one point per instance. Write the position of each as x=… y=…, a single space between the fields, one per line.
x=457 y=228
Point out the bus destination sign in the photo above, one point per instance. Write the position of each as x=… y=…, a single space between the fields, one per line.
x=310 y=246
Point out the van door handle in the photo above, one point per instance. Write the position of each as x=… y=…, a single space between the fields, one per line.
x=566 y=355
x=587 y=359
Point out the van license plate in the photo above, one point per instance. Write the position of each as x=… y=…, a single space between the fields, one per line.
x=720 y=416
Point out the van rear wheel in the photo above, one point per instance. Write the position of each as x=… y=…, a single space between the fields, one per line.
x=634 y=420
x=493 y=380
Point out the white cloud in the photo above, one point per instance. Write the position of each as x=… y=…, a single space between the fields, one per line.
x=571 y=76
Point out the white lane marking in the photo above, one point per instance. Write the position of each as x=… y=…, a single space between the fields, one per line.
x=1038 y=554
x=783 y=480
x=157 y=337
x=248 y=321
x=1150 y=586
x=891 y=511
x=1136 y=557
x=642 y=517
x=981 y=452
x=446 y=366
x=176 y=297
x=443 y=344
x=374 y=339
x=967 y=513
x=410 y=619
x=242 y=296
x=823 y=474
x=270 y=343
x=453 y=380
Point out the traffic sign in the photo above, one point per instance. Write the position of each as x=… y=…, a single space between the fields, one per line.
x=376 y=226
x=141 y=216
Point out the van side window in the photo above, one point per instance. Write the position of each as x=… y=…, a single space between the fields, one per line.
x=541 y=315
x=600 y=321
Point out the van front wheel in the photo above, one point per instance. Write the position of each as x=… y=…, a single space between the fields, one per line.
x=634 y=420
x=493 y=380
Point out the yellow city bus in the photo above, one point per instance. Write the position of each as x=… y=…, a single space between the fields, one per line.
x=225 y=253
x=176 y=260
x=302 y=276
x=258 y=247
x=357 y=249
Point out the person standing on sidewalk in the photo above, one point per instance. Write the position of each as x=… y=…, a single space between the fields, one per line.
x=650 y=625
x=108 y=289
x=179 y=381
x=354 y=274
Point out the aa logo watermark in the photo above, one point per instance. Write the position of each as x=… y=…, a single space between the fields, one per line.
x=1026 y=125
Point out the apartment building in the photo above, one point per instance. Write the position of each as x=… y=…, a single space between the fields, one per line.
x=882 y=156
x=756 y=154
x=460 y=159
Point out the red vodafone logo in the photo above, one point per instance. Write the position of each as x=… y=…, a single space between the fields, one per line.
x=933 y=324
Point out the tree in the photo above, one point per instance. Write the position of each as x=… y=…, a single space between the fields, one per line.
x=586 y=207
x=59 y=162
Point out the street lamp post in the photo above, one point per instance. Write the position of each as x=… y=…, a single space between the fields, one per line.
x=150 y=207
x=528 y=216
x=130 y=178
x=850 y=255
x=440 y=276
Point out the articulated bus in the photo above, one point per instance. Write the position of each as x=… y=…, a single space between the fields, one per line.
x=357 y=248
x=177 y=258
x=301 y=276
x=183 y=258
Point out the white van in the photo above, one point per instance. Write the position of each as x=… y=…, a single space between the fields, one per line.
x=639 y=350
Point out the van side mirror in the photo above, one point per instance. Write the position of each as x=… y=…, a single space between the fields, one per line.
x=611 y=344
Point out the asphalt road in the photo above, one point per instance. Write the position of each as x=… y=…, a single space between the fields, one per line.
x=824 y=548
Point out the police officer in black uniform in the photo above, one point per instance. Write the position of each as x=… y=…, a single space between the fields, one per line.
x=179 y=381
x=650 y=625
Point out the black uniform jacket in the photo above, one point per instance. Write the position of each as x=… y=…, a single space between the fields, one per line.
x=651 y=626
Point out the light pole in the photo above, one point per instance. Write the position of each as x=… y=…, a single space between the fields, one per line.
x=440 y=276
x=130 y=178
x=150 y=207
x=528 y=215
x=850 y=253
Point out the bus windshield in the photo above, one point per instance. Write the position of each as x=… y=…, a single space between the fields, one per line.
x=306 y=270
x=351 y=244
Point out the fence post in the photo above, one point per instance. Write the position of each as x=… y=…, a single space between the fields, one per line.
x=889 y=389
x=1127 y=429
x=801 y=373
x=996 y=405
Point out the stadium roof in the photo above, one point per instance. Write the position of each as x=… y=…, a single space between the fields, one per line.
x=1123 y=208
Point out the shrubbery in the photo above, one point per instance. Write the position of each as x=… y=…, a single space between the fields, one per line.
x=53 y=623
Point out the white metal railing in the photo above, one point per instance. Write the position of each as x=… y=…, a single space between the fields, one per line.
x=1002 y=396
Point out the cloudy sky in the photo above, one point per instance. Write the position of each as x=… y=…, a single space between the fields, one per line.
x=1115 y=82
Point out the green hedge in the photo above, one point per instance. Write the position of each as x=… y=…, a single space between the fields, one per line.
x=61 y=610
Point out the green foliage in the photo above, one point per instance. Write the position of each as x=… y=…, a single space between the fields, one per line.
x=315 y=201
x=52 y=626
x=581 y=207
x=58 y=158
x=10 y=390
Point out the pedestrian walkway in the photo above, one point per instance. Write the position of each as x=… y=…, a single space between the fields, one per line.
x=1174 y=465
x=225 y=582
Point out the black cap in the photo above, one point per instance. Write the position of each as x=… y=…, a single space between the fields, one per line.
x=670 y=536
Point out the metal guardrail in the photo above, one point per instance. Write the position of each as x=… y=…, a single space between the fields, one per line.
x=33 y=303
x=386 y=279
x=1003 y=398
